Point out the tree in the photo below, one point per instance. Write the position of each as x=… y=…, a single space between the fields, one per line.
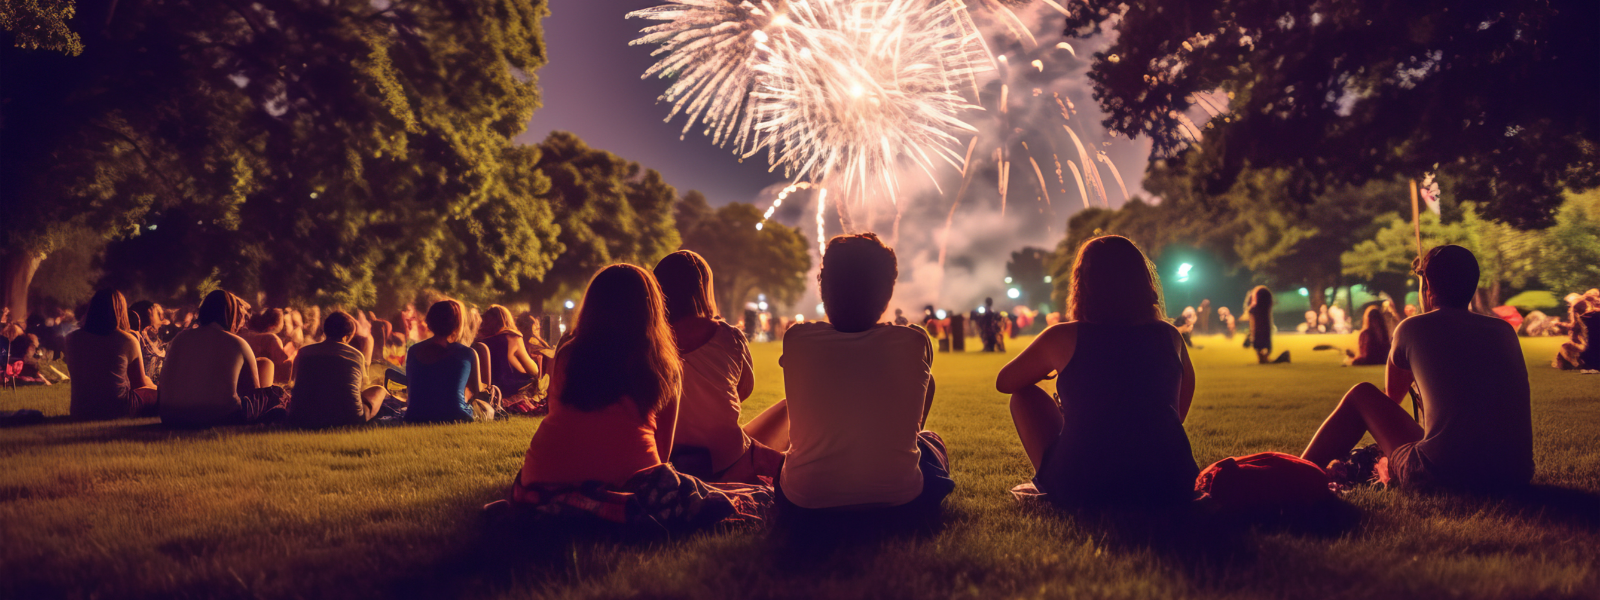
x=1350 y=92
x=325 y=151
x=609 y=210
x=1570 y=261
x=744 y=260
x=1028 y=269
x=1506 y=256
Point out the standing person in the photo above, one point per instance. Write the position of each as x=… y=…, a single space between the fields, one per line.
x=511 y=368
x=108 y=378
x=1113 y=436
x=440 y=372
x=1225 y=322
x=1372 y=344
x=330 y=379
x=988 y=323
x=1204 y=324
x=859 y=395
x=613 y=416
x=262 y=335
x=1261 y=327
x=1477 y=427
x=717 y=378
x=212 y=377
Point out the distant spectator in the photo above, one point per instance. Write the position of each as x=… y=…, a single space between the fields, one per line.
x=1581 y=351
x=512 y=369
x=1259 y=309
x=1226 y=322
x=1372 y=344
x=108 y=378
x=262 y=335
x=146 y=319
x=440 y=372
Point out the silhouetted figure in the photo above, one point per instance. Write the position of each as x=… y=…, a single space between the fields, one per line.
x=108 y=378
x=988 y=322
x=1115 y=434
x=1261 y=327
x=900 y=317
x=1477 y=430
x=717 y=378
x=859 y=393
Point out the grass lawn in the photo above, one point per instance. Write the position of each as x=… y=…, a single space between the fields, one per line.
x=129 y=509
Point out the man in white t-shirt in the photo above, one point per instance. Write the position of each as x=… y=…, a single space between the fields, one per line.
x=858 y=394
x=1477 y=429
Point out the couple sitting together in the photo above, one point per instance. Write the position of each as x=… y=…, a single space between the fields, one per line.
x=643 y=373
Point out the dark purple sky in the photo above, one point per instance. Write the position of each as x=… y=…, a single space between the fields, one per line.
x=591 y=87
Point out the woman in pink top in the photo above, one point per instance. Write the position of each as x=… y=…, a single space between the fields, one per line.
x=717 y=378
x=615 y=385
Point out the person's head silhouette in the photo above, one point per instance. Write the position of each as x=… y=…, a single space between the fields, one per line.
x=857 y=280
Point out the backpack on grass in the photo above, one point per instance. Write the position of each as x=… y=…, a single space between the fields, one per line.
x=1265 y=481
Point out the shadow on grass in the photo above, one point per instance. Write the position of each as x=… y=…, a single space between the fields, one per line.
x=1548 y=505
x=123 y=431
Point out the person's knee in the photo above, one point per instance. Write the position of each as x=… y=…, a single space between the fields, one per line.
x=1365 y=388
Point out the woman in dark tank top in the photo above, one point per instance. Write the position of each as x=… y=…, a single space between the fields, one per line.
x=1116 y=433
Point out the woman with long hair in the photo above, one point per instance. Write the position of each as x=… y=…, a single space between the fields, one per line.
x=151 y=317
x=1372 y=344
x=717 y=378
x=441 y=372
x=512 y=370
x=614 y=392
x=1261 y=327
x=108 y=377
x=1114 y=433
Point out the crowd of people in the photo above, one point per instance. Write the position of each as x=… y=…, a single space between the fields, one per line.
x=645 y=391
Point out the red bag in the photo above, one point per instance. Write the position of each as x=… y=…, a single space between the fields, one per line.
x=1268 y=480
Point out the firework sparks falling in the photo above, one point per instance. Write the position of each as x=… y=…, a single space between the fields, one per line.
x=837 y=91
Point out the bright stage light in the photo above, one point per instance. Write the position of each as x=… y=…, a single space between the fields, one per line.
x=1013 y=293
x=1008 y=280
x=762 y=306
x=1305 y=292
x=570 y=305
x=940 y=314
x=1048 y=278
x=819 y=309
x=1183 y=271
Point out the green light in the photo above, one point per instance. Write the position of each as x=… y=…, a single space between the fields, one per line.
x=1305 y=292
x=1183 y=271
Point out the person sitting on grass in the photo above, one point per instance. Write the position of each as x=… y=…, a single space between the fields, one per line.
x=1477 y=428
x=211 y=376
x=858 y=395
x=147 y=329
x=533 y=341
x=108 y=378
x=330 y=379
x=514 y=371
x=615 y=390
x=440 y=372
x=26 y=349
x=1116 y=433
x=1581 y=351
x=717 y=378
x=262 y=335
x=1372 y=344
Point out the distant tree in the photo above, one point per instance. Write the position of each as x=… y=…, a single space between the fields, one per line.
x=1349 y=92
x=745 y=261
x=609 y=210
x=1507 y=257
x=326 y=150
x=1027 y=268
x=1570 y=260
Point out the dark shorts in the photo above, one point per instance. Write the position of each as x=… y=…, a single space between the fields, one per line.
x=1408 y=468
x=757 y=463
x=936 y=484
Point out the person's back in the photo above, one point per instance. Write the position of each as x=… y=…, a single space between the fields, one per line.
x=1123 y=437
x=1475 y=396
x=328 y=381
x=99 y=366
x=501 y=372
x=856 y=402
x=438 y=375
x=709 y=414
x=574 y=445
x=201 y=375
x=1590 y=355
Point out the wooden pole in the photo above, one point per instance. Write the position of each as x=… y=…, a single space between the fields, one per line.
x=1416 y=226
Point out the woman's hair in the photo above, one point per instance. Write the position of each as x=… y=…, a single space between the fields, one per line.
x=685 y=280
x=531 y=330
x=1263 y=300
x=223 y=308
x=108 y=312
x=497 y=320
x=1112 y=282
x=145 y=312
x=620 y=344
x=268 y=321
x=445 y=318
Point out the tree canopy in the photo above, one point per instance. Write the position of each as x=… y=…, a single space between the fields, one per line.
x=366 y=145
x=1492 y=95
x=744 y=260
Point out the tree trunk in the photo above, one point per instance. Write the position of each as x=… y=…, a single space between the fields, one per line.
x=20 y=267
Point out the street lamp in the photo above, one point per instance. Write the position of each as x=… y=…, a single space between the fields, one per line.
x=1013 y=293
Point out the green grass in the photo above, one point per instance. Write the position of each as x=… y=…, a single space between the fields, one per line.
x=129 y=509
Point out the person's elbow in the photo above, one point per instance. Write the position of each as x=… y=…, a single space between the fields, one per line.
x=1008 y=385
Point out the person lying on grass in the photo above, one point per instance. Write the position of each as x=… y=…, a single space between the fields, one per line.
x=211 y=377
x=858 y=395
x=613 y=413
x=1116 y=433
x=1477 y=430
x=440 y=372
x=329 y=378
x=717 y=378
x=108 y=377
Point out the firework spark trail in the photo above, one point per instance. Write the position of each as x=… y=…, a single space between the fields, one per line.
x=1114 y=173
x=709 y=46
x=1043 y=188
x=1090 y=174
x=822 y=236
x=1079 y=178
x=778 y=202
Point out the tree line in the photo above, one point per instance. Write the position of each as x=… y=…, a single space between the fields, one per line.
x=346 y=152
